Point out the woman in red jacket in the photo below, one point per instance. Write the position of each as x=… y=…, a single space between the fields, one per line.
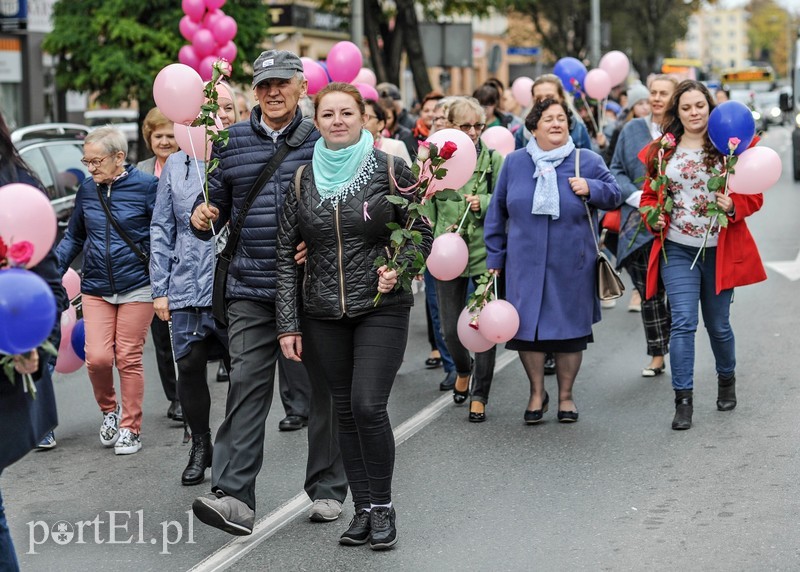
x=730 y=258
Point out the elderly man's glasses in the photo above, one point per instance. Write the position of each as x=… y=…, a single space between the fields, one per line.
x=94 y=162
x=465 y=127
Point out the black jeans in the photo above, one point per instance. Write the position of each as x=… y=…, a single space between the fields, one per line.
x=452 y=297
x=159 y=330
x=193 y=385
x=358 y=357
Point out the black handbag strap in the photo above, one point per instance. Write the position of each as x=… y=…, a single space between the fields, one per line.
x=293 y=140
x=585 y=202
x=139 y=254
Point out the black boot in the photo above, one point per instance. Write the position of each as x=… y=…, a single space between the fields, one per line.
x=683 y=410
x=199 y=460
x=726 y=393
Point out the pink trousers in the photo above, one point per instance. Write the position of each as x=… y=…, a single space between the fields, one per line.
x=115 y=335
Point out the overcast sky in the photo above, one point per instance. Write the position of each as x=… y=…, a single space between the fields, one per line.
x=792 y=5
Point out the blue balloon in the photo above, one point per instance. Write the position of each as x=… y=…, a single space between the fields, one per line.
x=731 y=119
x=78 y=339
x=27 y=311
x=568 y=70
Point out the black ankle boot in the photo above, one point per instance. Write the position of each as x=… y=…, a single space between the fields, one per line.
x=683 y=410
x=199 y=460
x=726 y=393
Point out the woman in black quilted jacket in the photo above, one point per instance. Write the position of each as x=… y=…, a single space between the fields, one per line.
x=326 y=314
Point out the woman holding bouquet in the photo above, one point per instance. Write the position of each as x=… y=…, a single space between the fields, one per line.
x=466 y=113
x=538 y=233
x=328 y=316
x=730 y=256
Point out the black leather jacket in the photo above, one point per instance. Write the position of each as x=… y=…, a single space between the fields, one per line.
x=343 y=240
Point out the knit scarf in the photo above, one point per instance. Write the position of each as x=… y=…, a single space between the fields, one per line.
x=340 y=172
x=545 y=196
x=421 y=131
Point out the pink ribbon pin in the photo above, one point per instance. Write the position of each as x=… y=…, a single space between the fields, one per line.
x=366 y=214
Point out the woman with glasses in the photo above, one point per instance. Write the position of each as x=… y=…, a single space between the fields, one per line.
x=376 y=123
x=111 y=226
x=466 y=114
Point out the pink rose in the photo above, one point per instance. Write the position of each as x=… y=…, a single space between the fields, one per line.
x=20 y=253
x=733 y=143
x=223 y=67
x=424 y=151
x=668 y=141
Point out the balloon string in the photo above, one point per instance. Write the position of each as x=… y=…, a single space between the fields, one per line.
x=199 y=176
x=496 y=297
x=463 y=218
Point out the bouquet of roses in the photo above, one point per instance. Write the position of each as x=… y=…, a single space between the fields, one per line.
x=659 y=184
x=17 y=255
x=409 y=262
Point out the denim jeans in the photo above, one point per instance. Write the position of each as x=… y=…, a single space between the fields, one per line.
x=8 y=558
x=685 y=289
x=433 y=307
x=358 y=357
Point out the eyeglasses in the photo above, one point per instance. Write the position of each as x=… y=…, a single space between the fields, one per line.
x=375 y=117
x=94 y=162
x=465 y=127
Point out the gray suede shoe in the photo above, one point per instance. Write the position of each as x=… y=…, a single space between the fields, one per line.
x=224 y=512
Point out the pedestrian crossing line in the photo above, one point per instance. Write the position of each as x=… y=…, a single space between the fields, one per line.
x=240 y=546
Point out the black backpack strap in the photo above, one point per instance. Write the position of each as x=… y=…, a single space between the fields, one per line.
x=144 y=258
x=489 y=181
x=293 y=140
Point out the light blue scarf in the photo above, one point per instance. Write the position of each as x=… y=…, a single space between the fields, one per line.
x=545 y=196
x=338 y=173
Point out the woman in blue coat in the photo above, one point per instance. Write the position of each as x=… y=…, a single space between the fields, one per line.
x=538 y=232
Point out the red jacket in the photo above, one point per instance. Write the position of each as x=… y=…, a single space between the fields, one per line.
x=738 y=261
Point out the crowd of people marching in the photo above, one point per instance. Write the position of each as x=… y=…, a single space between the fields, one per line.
x=298 y=207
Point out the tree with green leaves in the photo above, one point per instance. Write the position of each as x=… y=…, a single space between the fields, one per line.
x=772 y=32
x=115 y=48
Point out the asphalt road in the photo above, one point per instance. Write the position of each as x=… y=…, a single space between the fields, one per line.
x=619 y=490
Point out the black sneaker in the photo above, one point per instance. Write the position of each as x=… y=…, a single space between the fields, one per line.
x=358 y=532
x=549 y=364
x=382 y=521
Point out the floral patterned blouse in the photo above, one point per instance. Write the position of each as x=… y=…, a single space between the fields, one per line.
x=688 y=186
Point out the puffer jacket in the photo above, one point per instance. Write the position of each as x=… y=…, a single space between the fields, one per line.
x=252 y=274
x=181 y=266
x=343 y=241
x=109 y=265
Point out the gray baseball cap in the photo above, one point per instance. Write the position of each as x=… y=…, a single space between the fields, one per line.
x=276 y=64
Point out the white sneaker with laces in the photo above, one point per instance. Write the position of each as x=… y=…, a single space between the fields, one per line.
x=128 y=443
x=109 y=430
x=325 y=510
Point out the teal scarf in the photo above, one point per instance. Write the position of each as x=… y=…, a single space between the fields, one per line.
x=341 y=172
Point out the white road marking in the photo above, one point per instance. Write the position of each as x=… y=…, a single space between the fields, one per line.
x=789 y=268
x=239 y=546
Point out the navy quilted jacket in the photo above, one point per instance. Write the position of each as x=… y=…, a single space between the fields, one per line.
x=109 y=264
x=253 y=273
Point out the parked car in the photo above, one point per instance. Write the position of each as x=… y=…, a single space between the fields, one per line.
x=54 y=152
x=768 y=103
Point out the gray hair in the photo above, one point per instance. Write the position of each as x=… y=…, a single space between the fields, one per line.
x=110 y=138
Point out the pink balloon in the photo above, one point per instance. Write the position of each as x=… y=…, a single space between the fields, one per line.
x=188 y=28
x=757 y=169
x=188 y=57
x=27 y=215
x=192 y=141
x=211 y=18
x=461 y=165
x=500 y=139
x=228 y=52
x=205 y=68
x=72 y=283
x=194 y=9
x=67 y=361
x=344 y=61
x=597 y=84
x=214 y=4
x=224 y=30
x=469 y=337
x=178 y=92
x=315 y=74
x=521 y=90
x=499 y=321
x=449 y=256
x=616 y=65
x=204 y=43
x=367 y=76
x=366 y=91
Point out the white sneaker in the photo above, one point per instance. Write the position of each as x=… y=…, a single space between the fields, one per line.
x=325 y=510
x=128 y=444
x=109 y=430
x=607 y=303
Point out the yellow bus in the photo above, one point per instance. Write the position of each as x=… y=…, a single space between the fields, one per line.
x=748 y=78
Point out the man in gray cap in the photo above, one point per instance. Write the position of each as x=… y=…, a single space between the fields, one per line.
x=278 y=83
